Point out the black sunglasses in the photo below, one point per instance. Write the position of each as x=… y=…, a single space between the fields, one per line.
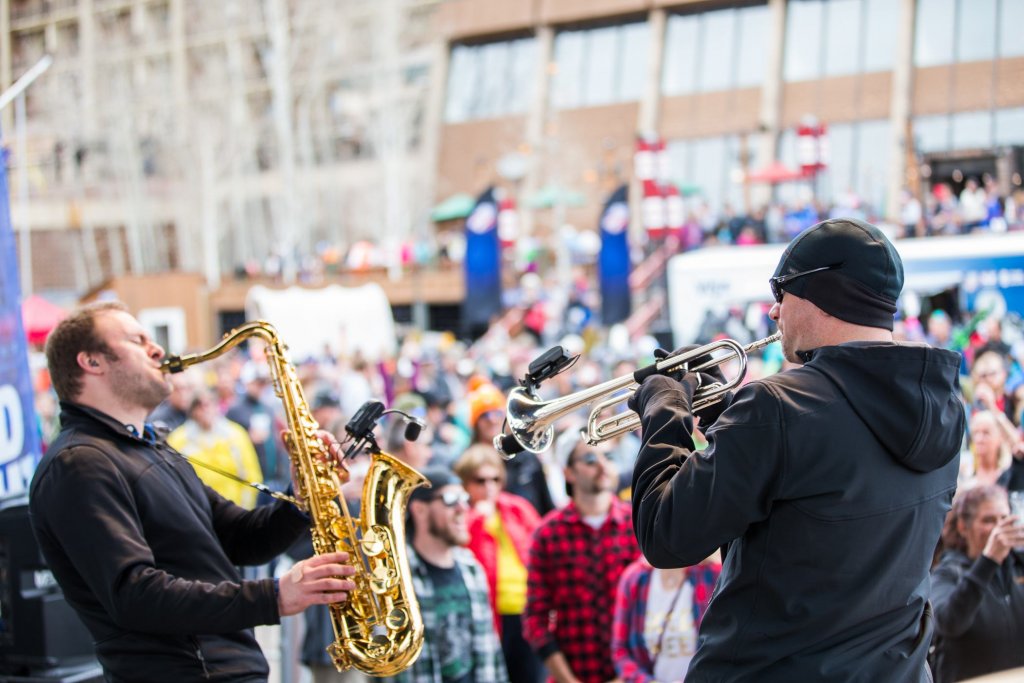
x=779 y=281
x=588 y=458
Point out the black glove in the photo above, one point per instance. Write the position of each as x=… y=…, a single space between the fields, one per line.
x=709 y=414
x=711 y=375
x=705 y=378
x=655 y=383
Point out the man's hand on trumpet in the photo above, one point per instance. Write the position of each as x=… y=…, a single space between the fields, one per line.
x=691 y=382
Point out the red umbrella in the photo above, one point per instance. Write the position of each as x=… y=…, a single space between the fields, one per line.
x=774 y=173
x=39 y=316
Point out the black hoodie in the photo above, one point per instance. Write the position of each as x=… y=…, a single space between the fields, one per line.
x=146 y=554
x=830 y=482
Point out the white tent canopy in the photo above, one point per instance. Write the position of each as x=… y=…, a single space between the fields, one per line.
x=347 y=320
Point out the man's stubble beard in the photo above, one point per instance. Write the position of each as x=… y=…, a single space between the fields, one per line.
x=445 y=533
x=139 y=390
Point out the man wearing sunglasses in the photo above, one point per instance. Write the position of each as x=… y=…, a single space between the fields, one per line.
x=829 y=483
x=460 y=644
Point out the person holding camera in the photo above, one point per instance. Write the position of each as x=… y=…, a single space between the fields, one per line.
x=828 y=482
x=978 y=587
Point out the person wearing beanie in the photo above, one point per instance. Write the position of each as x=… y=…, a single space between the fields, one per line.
x=525 y=471
x=826 y=484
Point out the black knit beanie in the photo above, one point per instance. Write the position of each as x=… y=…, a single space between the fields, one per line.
x=866 y=275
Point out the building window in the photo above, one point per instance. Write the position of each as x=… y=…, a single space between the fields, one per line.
x=713 y=165
x=856 y=173
x=980 y=129
x=1009 y=126
x=931 y=133
x=600 y=65
x=950 y=31
x=826 y=38
x=972 y=129
x=1011 y=18
x=486 y=81
x=718 y=50
x=976 y=31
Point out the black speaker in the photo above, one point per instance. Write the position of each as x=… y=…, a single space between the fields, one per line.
x=38 y=629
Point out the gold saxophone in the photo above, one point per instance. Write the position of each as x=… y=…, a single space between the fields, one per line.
x=379 y=629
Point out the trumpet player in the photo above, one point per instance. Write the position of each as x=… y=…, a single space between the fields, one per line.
x=828 y=484
x=145 y=553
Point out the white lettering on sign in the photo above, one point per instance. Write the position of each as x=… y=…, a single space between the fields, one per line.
x=12 y=424
x=17 y=474
x=43 y=578
x=712 y=287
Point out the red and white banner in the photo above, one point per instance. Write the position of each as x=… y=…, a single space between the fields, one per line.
x=661 y=206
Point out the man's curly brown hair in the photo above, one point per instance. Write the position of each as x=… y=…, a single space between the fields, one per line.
x=74 y=334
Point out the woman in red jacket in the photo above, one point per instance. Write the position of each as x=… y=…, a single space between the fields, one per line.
x=500 y=526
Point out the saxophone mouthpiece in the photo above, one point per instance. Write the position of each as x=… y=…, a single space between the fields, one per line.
x=172 y=365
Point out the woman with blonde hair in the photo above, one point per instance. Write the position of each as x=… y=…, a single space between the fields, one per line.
x=991 y=453
x=500 y=528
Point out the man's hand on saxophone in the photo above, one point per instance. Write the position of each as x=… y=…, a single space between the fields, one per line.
x=315 y=581
x=330 y=453
x=318 y=580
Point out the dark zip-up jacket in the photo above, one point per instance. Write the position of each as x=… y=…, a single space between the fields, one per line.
x=830 y=483
x=979 y=615
x=147 y=555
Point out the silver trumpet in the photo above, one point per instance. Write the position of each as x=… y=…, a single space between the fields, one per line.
x=531 y=420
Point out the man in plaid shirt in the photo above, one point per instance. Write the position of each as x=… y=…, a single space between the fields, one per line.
x=459 y=643
x=577 y=556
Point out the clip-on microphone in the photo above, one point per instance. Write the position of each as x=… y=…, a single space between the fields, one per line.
x=360 y=427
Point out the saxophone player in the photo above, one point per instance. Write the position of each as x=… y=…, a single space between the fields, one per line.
x=145 y=553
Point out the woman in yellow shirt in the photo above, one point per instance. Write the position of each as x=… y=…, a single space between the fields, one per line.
x=211 y=439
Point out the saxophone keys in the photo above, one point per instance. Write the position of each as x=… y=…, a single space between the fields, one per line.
x=397 y=619
x=372 y=543
x=382 y=579
x=378 y=646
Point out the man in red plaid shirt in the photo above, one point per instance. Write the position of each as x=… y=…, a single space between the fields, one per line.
x=577 y=556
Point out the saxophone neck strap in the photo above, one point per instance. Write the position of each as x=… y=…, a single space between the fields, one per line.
x=262 y=488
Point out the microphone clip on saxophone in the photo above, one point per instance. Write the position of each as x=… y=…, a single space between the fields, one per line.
x=360 y=427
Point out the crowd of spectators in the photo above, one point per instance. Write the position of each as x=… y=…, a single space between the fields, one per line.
x=980 y=206
x=543 y=527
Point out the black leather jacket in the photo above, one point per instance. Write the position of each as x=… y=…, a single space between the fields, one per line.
x=979 y=609
x=830 y=483
x=147 y=555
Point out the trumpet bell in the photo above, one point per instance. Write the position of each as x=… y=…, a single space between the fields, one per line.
x=522 y=412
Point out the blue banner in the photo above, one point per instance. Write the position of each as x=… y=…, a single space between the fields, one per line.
x=613 y=264
x=482 y=266
x=19 y=432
